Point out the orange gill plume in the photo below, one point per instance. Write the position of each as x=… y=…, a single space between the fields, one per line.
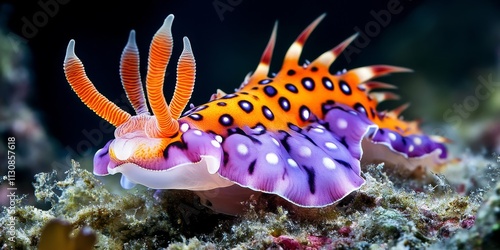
x=164 y=124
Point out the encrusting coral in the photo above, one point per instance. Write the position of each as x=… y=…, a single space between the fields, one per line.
x=381 y=214
x=486 y=230
x=83 y=200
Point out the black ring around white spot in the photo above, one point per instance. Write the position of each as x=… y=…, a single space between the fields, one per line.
x=345 y=87
x=327 y=83
x=226 y=120
x=196 y=117
x=304 y=113
x=267 y=113
x=246 y=106
x=290 y=87
x=284 y=103
x=308 y=83
x=270 y=91
x=265 y=81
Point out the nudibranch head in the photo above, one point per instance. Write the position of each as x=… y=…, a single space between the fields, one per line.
x=189 y=160
x=157 y=151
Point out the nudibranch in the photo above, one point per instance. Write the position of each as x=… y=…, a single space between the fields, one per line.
x=299 y=134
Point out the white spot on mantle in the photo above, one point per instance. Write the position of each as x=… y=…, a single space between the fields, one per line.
x=275 y=141
x=184 y=127
x=330 y=145
x=392 y=136
x=417 y=141
x=292 y=162
x=218 y=138
x=272 y=158
x=341 y=123
x=242 y=149
x=305 y=151
x=329 y=163
x=215 y=143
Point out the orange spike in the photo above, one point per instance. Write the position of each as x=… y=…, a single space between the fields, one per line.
x=413 y=127
x=366 y=73
x=186 y=72
x=131 y=77
x=159 y=55
x=263 y=67
x=440 y=139
x=217 y=95
x=86 y=91
x=397 y=111
x=293 y=53
x=327 y=58
x=407 y=127
x=245 y=82
x=369 y=86
x=383 y=96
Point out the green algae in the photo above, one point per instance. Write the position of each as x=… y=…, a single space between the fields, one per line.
x=83 y=201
